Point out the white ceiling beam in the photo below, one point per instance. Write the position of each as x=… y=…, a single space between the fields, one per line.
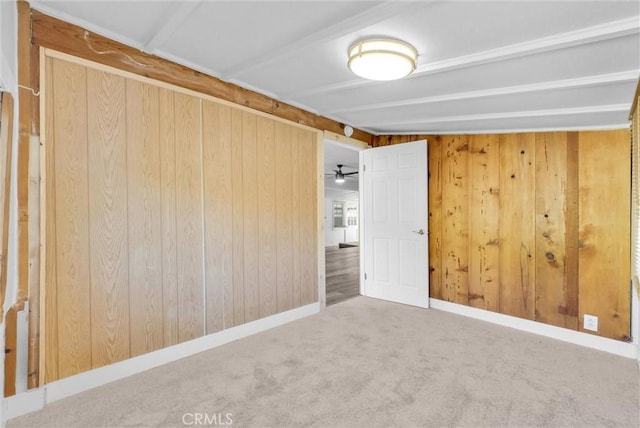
x=364 y=19
x=178 y=14
x=506 y=115
x=435 y=131
x=580 y=82
x=593 y=34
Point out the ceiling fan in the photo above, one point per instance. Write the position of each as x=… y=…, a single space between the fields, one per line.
x=340 y=176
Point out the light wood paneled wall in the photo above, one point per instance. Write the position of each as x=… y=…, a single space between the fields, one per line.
x=168 y=216
x=534 y=225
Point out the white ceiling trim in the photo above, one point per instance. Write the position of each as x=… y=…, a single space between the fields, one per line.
x=178 y=15
x=515 y=130
x=596 y=80
x=596 y=33
x=512 y=115
x=364 y=19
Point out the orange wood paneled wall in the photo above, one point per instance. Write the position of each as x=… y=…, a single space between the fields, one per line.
x=534 y=225
x=168 y=216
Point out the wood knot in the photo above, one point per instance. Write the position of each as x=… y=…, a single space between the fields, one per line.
x=521 y=152
x=513 y=176
x=546 y=235
x=550 y=256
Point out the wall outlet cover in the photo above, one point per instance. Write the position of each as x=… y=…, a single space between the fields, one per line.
x=590 y=322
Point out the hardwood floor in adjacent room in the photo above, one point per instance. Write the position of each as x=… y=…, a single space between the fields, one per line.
x=343 y=273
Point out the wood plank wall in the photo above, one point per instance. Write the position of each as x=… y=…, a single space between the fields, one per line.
x=534 y=225
x=168 y=217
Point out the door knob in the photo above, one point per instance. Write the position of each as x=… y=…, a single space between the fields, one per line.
x=419 y=232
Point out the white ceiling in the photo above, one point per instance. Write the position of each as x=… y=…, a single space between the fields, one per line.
x=483 y=67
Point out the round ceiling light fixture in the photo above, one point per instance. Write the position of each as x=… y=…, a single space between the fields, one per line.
x=382 y=59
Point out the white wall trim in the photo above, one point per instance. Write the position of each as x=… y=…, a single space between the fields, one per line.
x=635 y=319
x=623 y=349
x=33 y=400
x=23 y=403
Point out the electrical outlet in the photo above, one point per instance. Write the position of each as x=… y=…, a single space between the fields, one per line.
x=590 y=322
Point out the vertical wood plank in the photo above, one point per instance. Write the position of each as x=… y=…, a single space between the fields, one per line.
x=6 y=148
x=108 y=217
x=167 y=144
x=68 y=284
x=189 y=217
x=144 y=217
x=604 y=207
x=552 y=209
x=35 y=213
x=284 y=217
x=226 y=216
x=267 y=216
x=218 y=215
x=27 y=103
x=571 y=228
x=316 y=175
x=295 y=215
x=455 y=222
x=308 y=257
x=484 y=222
x=250 y=225
x=48 y=285
x=237 y=149
x=320 y=291
x=435 y=217
x=517 y=225
x=10 y=350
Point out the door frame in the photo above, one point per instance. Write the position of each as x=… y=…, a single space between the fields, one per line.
x=360 y=147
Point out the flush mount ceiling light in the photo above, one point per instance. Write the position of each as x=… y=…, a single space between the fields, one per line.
x=382 y=59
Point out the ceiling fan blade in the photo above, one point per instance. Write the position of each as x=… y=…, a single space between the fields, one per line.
x=351 y=173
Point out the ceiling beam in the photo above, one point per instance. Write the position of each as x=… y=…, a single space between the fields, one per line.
x=507 y=115
x=580 y=82
x=421 y=134
x=593 y=34
x=62 y=36
x=364 y=19
x=177 y=15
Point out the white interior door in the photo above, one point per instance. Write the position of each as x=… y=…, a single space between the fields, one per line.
x=395 y=241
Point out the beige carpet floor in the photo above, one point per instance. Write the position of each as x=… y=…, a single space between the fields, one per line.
x=369 y=363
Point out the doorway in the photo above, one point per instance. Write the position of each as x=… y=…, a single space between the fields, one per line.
x=341 y=221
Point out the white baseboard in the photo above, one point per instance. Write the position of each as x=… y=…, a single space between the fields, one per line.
x=23 y=403
x=33 y=400
x=628 y=350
